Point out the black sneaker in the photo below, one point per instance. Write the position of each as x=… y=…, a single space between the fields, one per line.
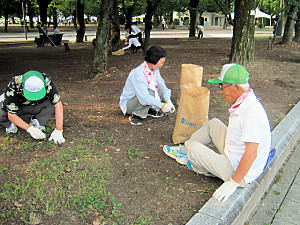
x=135 y=120
x=154 y=113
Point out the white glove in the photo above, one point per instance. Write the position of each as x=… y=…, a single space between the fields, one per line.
x=225 y=190
x=36 y=133
x=57 y=137
x=166 y=108
x=169 y=102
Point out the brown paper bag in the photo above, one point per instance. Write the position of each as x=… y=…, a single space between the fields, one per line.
x=192 y=112
x=190 y=74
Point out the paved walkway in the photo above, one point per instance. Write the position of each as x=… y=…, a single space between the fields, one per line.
x=281 y=206
x=168 y=33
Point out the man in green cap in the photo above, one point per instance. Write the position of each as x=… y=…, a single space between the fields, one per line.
x=35 y=94
x=243 y=146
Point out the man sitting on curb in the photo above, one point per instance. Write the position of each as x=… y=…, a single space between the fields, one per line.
x=32 y=93
x=243 y=146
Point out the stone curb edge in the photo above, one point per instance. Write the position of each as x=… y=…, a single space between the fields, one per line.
x=242 y=203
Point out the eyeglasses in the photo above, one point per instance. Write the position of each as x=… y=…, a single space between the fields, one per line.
x=222 y=88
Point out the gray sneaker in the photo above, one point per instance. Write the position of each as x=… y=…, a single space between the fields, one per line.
x=35 y=123
x=12 y=129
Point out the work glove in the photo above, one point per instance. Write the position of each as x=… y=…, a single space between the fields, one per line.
x=57 y=137
x=169 y=102
x=166 y=108
x=225 y=190
x=36 y=133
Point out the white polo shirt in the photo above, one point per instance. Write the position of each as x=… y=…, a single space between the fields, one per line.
x=248 y=123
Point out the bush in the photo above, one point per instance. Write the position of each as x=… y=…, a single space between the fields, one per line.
x=176 y=22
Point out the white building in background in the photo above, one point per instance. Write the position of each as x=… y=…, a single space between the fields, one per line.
x=206 y=19
x=210 y=19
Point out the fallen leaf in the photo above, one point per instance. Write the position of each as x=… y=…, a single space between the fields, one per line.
x=68 y=170
x=17 y=204
x=146 y=157
x=149 y=129
x=118 y=150
x=98 y=221
x=201 y=190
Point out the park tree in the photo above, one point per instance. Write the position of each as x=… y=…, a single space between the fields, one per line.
x=242 y=46
x=8 y=8
x=80 y=20
x=293 y=6
x=43 y=6
x=151 y=6
x=226 y=7
x=100 y=58
x=115 y=41
x=297 y=27
x=193 y=15
x=128 y=7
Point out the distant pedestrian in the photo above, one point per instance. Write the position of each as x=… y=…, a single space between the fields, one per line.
x=163 y=23
x=200 y=31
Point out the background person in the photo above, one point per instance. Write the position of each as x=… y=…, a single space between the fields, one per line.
x=145 y=89
x=56 y=30
x=163 y=23
x=200 y=31
x=35 y=94
x=243 y=146
x=134 y=30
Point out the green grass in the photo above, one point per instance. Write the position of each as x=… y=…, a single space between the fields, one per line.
x=73 y=181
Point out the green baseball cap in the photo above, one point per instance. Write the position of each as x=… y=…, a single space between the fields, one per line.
x=33 y=84
x=232 y=73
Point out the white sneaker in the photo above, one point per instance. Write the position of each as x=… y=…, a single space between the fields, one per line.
x=35 y=123
x=12 y=129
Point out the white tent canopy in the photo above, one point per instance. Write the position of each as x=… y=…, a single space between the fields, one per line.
x=259 y=14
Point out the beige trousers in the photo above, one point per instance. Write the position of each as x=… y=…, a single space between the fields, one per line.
x=205 y=160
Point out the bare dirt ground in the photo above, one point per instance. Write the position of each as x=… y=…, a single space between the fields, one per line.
x=151 y=184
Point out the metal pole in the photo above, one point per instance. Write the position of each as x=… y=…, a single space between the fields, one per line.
x=24 y=20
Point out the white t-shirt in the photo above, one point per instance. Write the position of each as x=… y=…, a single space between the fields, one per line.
x=135 y=29
x=248 y=123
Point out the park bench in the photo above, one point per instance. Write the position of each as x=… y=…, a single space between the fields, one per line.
x=43 y=39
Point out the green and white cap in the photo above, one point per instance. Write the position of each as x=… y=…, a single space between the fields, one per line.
x=33 y=84
x=232 y=73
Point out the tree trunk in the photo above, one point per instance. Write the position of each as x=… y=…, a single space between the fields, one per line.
x=43 y=5
x=6 y=21
x=242 y=46
x=193 y=15
x=151 y=6
x=289 y=26
x=54 y=17
x=80 y=19
x=99 y=61
x=115 y=42
x=297 y=27
x=30 y=14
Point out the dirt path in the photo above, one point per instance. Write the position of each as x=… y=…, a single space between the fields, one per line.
x=151 y=184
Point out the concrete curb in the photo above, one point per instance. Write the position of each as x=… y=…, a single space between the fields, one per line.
x=240 y=205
